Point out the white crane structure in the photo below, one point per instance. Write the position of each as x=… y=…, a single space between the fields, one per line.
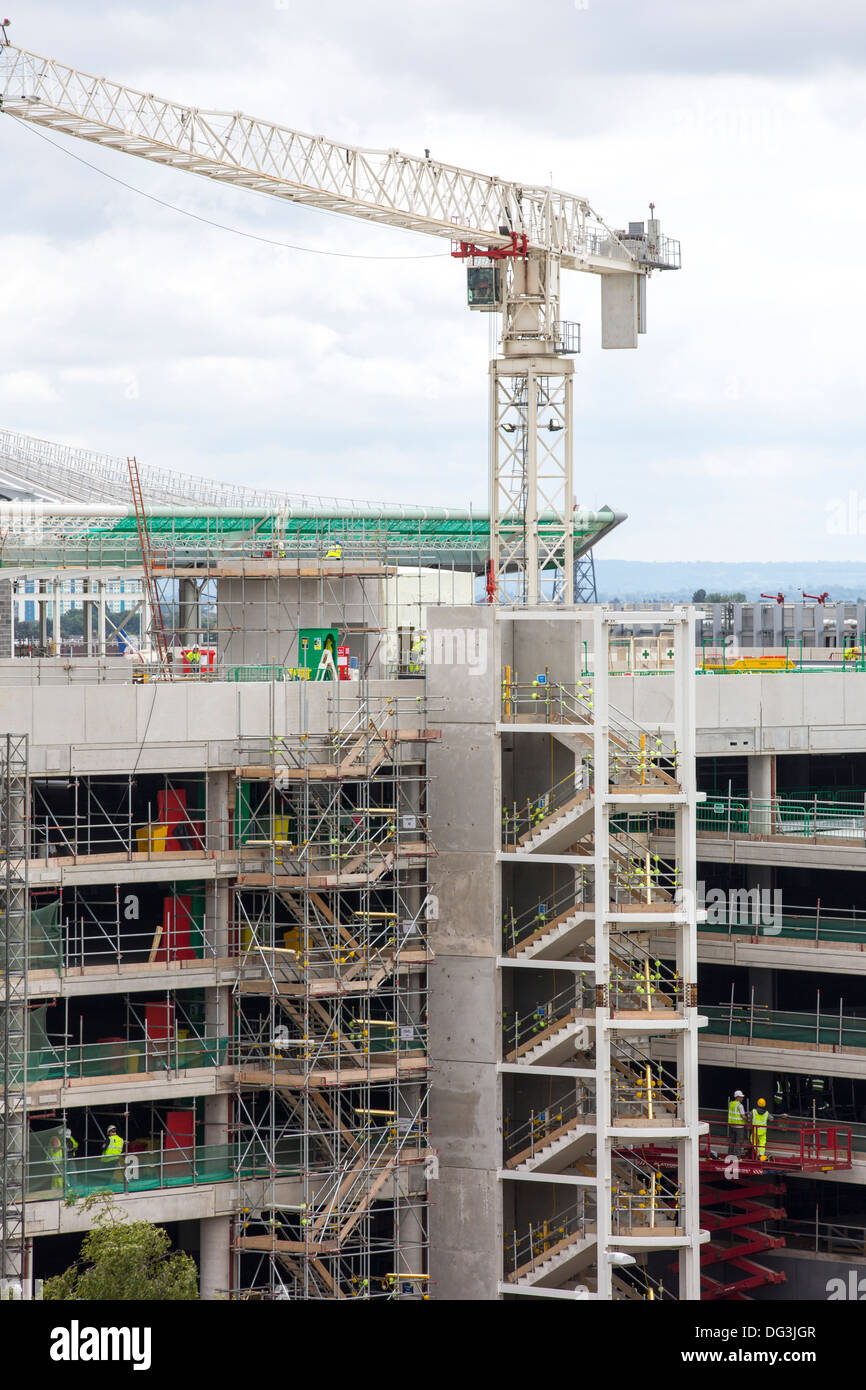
x=517 y=238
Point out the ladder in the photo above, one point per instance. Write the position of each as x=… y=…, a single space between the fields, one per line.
x=157 y=620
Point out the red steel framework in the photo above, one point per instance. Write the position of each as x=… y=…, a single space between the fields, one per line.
x=748 y=1198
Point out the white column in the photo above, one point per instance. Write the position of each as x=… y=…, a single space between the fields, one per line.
x=601 y=875
x=687 y=948
x=214 y=1257
x=101 y=617
x=57 y=615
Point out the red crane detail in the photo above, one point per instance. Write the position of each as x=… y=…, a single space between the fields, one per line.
x=463 y=250
x=819 y=598
x=779 y=598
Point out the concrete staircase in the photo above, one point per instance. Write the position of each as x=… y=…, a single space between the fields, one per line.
x=559 y=830
x=560 y=937
x=558 y=1264
x=559 y=1150
x=553 y=1044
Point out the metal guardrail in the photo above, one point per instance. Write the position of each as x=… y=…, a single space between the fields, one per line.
x=805 y=818
x=520 y=820
x=742 y=917
x=518 y=1029
x=823 y=1237
x=527 y=1249
x=517 y=927
x=534 y=1132
x=745 y=1022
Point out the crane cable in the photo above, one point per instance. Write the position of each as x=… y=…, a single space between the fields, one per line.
x=221 y=226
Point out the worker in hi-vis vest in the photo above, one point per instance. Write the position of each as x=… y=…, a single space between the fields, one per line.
x=55 y=1157
x=113 y=1151
x=334 y=551
x=760 y=1119
x=736 y=1123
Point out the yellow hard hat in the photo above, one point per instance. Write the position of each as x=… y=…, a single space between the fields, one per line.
x=762 y=1101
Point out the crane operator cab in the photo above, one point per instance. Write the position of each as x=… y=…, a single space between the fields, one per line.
x=484 y=287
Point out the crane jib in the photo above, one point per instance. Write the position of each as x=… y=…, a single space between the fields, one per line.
x=408 y=191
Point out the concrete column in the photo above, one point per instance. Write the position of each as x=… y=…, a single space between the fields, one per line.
x=57 y=617
x=215 y=1257
x=465 y=1019
x=101 y=618
x=762 y=786
x=187 y=612
x=219 y=795
x=87 y=617
x=42 y=609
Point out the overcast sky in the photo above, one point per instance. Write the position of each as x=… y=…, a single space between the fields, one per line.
x=733 y=432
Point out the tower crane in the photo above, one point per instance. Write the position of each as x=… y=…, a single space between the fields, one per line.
x=515 y=238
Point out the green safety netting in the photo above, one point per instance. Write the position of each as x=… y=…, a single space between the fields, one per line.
x=51 y=1172
x=46 y=950
x=117 y=1056
x=43 y=1058
x=46 y=1162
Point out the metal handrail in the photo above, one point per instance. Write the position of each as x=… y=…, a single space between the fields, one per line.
x=531 y=1246
x=517 y=926
x=534 y=1132
x=518 y=1029
x=523 y=819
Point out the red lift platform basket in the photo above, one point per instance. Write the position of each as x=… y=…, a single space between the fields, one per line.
x=735 y=1211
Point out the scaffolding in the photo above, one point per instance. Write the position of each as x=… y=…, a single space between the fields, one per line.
x=14 y=844
x=331 y=910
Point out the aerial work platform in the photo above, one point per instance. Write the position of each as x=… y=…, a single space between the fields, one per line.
x=793 y=1146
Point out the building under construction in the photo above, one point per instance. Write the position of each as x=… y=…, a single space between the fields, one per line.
x=381 y=914
x=381 y=921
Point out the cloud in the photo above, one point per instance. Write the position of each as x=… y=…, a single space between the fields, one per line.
x=133 y=329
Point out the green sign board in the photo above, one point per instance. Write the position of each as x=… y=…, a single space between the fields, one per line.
x=317 y=653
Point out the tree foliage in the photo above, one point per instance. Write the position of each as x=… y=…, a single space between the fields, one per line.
x=701 y=596
x=124 y=1260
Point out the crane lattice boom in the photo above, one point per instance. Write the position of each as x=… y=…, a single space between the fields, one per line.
x=386 y=186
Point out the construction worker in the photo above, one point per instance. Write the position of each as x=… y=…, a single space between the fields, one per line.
x=761 y=1117
x=334 y=551
x=416 y=654
x=55 y=1158
x=113 y=1151
x=736 y=1123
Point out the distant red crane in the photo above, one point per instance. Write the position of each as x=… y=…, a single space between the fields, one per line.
x=779 y=598
x=819 y=598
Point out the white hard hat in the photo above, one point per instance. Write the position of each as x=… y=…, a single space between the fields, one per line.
x=738 y=1093
x=111 y=1129
x=69 y=1134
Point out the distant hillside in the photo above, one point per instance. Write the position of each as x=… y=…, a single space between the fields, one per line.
x=678 y=579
